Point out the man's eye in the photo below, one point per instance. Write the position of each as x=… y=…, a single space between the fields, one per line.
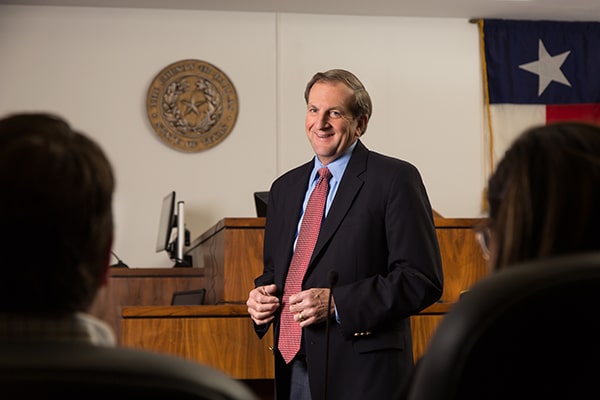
x=335 y=114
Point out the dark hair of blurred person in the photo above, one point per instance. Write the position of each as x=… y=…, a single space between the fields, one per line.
x=56 y=229
x=544 y=196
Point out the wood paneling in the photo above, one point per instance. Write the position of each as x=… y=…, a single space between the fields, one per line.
x=423 y=325
x=230 y=253
x=462 y=258
x=463 y=264
x=226 y=259
x=142 y=286
x=221 y=336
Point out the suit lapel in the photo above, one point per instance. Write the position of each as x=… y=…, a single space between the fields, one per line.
x=292 y=199
x=348 y=189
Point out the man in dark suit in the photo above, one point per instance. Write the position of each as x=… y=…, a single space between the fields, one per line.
x=379 y=238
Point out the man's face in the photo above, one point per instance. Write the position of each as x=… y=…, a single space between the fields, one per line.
x=330 y=126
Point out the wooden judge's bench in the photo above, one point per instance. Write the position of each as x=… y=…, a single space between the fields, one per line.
x=226 y=259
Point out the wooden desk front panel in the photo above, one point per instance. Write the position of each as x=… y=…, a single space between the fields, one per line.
x=243 y=262
x=142 y=286
x=213 y=335
x=463 y=264
x=462 y=259
x=423 y=325
x=231 y=254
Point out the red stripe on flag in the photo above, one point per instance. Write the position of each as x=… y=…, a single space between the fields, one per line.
x=571 y=112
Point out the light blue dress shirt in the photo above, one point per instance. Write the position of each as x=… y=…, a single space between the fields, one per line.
x=337 y=169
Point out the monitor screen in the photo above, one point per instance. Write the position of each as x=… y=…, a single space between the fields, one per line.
x=188 y=297
x=166 y=222
x=261 y=200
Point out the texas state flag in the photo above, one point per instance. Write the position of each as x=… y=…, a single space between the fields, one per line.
x=537 y=72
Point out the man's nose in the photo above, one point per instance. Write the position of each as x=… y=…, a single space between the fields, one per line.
x=323 y=120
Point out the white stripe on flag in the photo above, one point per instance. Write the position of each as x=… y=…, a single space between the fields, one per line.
x=509 y=120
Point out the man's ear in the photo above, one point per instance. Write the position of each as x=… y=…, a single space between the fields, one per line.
x=362 y=124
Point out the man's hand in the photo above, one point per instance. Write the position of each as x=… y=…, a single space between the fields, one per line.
x=310 y=306
x=262 y=304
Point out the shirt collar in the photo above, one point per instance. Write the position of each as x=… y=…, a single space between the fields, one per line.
x=337 y=166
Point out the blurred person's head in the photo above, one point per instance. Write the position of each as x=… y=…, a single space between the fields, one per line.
x=544 y=196
x=56 y=222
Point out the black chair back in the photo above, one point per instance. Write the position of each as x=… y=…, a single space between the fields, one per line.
x=531 y=331
x=77 y=370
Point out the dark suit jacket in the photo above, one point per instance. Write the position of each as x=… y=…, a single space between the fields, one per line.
x=380 y=238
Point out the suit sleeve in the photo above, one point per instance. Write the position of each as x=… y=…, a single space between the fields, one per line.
x=404 y=274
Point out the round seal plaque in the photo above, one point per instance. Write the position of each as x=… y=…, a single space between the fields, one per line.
x=192 y=105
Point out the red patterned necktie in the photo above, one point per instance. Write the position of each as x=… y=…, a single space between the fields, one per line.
x=290 y=332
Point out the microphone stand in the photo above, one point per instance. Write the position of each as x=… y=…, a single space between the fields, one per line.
x=333 y=277
x=120 y=263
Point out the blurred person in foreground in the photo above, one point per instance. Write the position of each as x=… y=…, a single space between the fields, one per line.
x=56 y=230
x=544 y=205
x=544 y=196
x=377 y=238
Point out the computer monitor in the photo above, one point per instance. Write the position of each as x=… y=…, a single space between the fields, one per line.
x=166 y=223
x=261 y=200
x=172 y=220
x=188 y=297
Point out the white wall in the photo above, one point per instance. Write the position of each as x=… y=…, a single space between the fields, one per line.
x=94 y=65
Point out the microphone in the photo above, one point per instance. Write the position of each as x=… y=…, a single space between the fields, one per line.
x=120 y=263
x=333 y=278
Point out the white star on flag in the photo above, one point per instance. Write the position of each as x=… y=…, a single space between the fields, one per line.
x=547 y=67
